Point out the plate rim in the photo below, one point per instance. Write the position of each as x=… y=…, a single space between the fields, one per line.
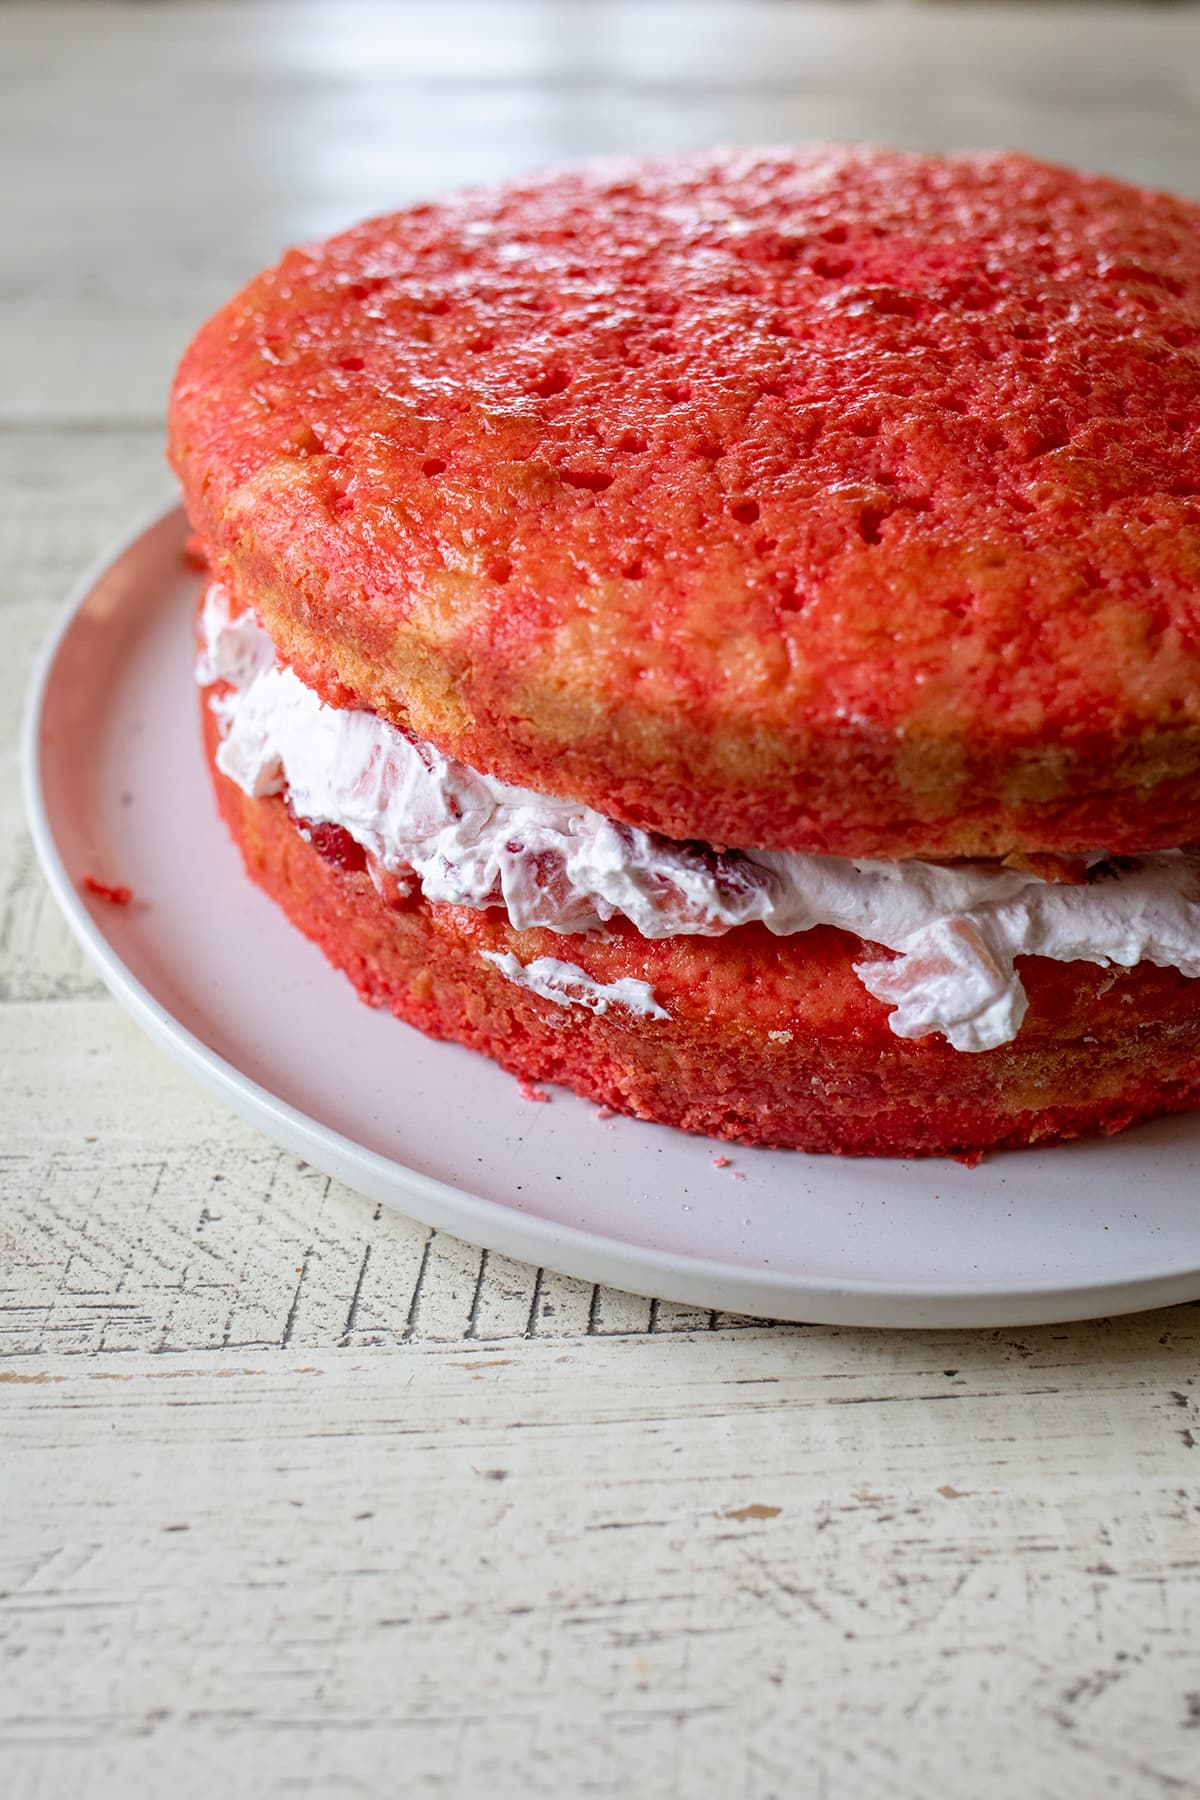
x=574 y=1250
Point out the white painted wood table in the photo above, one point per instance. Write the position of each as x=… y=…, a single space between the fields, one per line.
x=296 y=1497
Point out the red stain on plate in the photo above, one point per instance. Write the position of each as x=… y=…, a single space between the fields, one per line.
x=116 y=896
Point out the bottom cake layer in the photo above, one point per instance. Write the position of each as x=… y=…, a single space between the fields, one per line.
x=765 y=1040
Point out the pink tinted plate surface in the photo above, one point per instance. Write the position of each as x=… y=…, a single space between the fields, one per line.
x=116 y=788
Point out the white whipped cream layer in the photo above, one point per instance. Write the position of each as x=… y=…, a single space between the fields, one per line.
x=470 y=840
x=568 y=985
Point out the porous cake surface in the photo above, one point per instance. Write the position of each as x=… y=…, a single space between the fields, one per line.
x=833 y=499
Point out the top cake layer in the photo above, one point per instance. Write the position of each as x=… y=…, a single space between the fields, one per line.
x=834 y=500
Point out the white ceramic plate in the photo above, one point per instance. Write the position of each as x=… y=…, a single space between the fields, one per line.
x=116 y=788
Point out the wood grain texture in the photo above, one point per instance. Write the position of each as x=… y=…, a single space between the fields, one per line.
x=301 y=1498
x=773 y=1565
x=151 y=1220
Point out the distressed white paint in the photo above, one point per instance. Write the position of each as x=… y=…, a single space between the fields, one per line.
x=771 y=1563
x=298 y=1499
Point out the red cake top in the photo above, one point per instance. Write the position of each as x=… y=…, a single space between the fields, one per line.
x=840 y=499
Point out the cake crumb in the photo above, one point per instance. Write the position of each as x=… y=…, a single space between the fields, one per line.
x=720 y=1162
x=116 y=896
x=529 y=1092
x=605 y=1112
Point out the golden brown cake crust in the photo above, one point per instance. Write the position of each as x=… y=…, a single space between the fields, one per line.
x=836 y=500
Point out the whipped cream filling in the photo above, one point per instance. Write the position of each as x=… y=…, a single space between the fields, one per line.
x=568 y=985
x=467 y=839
